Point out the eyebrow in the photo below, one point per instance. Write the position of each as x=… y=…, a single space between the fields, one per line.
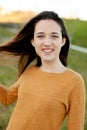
x=55 y=33
x=51 y=33
x=39 y=33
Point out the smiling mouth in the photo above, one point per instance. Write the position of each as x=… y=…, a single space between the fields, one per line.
x=47 y=50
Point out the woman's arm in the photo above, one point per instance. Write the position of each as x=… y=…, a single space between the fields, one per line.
x=7 y=96
x=76 y=113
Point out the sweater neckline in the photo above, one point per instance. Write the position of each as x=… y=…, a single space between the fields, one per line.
x=53 y=73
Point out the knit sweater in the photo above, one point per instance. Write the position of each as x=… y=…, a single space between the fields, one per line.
x=44 y=99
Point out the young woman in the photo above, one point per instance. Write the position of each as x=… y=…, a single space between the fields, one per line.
x=47 y=91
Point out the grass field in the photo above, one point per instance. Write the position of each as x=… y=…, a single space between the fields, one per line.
x=78 y=32
x=76 y=60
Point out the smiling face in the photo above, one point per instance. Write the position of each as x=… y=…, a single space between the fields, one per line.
x=48 y=40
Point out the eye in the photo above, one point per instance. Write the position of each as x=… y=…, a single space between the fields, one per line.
x=40 y=36
x=55 y=36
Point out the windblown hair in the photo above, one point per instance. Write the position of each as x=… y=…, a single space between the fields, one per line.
x=21 y=45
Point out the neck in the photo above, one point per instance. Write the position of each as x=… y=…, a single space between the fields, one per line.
x=53 y=66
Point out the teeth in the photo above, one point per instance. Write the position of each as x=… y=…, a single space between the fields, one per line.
x=47 y=50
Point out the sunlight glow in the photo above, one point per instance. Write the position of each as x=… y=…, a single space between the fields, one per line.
x=69 y=8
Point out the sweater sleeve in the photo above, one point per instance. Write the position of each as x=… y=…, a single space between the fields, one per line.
x=9 y=95
x=76 y=114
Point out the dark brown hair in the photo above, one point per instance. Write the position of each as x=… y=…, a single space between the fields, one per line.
x=21 y=45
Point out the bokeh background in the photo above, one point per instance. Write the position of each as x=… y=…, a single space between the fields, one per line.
x=14 y=14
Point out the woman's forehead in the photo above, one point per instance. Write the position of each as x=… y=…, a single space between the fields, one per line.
x=47 y=25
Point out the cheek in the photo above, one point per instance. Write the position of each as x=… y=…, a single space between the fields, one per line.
x=37 y=48
x=37 y=41
x=58 y=48
x=58 y=45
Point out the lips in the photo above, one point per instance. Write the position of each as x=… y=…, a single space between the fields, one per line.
x=47 y=50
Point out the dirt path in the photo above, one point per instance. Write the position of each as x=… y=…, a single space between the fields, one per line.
x=78 y=48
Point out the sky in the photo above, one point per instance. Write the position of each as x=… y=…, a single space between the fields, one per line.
x=65 y=8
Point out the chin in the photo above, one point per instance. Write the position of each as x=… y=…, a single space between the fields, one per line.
x=47 y=59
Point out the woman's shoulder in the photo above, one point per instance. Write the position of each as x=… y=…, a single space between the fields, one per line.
x=30 y=69
x=76 y=76
x=74 y=80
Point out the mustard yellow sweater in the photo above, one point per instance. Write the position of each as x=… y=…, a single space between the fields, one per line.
x=44 y=99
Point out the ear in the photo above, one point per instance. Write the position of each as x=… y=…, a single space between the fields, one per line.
x=63 y=41
x=32 y=42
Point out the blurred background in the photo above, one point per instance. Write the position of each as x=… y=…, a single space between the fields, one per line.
x=14 y=14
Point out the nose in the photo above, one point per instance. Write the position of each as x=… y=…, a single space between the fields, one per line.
x=47 y=41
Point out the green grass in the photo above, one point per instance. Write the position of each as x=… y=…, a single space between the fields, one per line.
x=77 y=31
x=5 y=34
x=76 y=61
